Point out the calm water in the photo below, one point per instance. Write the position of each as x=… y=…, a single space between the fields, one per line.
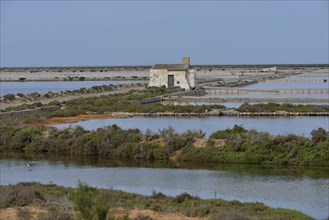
x=303 y=193
x=295 y=85
x=288 y=85
x=44 y=87
x=273 y=125
x=285 y=85
x=323 y=75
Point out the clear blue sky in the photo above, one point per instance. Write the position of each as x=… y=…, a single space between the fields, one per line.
x=79 y=33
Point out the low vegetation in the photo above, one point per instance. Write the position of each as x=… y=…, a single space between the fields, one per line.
x=236 y=145
x=118 y=103
x=85 y=202
x=24 y=107
x=274 y=107
x=126 y=103
x=35 y=96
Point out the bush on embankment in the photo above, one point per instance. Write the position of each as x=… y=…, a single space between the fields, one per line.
x=85 y=202
x=238 y=145
x=108 y=142
x=124 y=103
x=37 y=96
x=274 y=107
x=235 y=145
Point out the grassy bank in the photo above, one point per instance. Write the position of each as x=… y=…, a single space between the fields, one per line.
x=124 y=102
x=84 y=202
x=236 y=145
x=274 y=107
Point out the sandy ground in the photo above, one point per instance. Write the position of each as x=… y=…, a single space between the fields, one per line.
x=32 y=213
x=119 y=212
x=71 y=119
x=27 y=212
x=198 y=143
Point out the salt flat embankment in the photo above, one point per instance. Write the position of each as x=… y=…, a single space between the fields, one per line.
x=142 y=72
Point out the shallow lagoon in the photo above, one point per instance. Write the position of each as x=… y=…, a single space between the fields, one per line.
x=44 y=87
x=287 y=85
x=274 y=125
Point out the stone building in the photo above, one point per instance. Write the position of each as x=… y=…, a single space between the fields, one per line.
x=173 y=75
x=271 y=69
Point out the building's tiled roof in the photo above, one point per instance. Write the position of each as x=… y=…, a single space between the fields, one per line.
x=171 y=67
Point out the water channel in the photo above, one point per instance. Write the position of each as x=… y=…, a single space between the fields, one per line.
x=304 y=189
x=283 y=85
x=324 y=84
x=44 y=87
x=274 y=125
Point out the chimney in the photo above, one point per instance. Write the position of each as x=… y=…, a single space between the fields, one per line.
x=186 y=60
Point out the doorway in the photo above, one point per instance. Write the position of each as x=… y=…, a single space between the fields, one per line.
x=170 y=81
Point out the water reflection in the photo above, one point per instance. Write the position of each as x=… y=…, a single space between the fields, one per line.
x=314 y=172
x=273 y=125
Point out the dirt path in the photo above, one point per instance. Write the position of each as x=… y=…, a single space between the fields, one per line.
x=33 y=213
x=135 y=213
x=27 y=212
x=71 y=119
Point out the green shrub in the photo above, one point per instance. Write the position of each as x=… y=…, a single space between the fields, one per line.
x=49 y=95
x=21 y=194
x=87 y=204
x=273 y=107
x=10 y=97
x=319 y=135
x=185 y=197
x=35 y=95
x=236 y=145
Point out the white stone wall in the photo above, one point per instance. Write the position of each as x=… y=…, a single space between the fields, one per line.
x=159 y=77
x=180 y=79
x=271 y=69
x=191 y=76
